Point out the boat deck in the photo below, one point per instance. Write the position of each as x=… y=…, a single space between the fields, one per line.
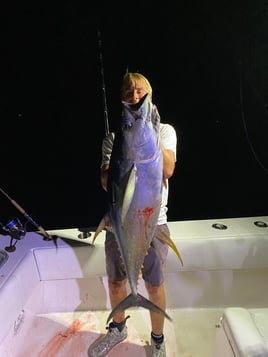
x=54 y=300
x=192 y=333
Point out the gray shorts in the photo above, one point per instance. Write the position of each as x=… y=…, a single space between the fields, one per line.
x=154 y=262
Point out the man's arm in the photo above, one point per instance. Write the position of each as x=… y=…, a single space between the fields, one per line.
x=104 y=176
x=168 y=163
x=107 y=147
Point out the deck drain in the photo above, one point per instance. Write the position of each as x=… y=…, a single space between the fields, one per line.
x=219 y=226
x=260 y=224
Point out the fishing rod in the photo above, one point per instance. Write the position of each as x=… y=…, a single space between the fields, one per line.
x=106 y=121
x=26 y=215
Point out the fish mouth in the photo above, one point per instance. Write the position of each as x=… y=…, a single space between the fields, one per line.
x=136 y=106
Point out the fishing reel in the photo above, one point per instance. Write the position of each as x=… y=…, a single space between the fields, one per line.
x=16 y=230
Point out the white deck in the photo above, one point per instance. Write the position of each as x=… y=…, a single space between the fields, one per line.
x=55 y=303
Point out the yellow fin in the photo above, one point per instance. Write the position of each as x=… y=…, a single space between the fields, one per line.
x=170 y=243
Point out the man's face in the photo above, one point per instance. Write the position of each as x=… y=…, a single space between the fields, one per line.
x=133 y=94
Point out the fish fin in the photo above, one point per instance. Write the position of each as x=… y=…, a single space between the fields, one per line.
x=167 y=239
x=136 y=300
x=105 y=223
x=129 y=193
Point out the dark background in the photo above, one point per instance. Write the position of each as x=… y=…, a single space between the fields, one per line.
x=208 y=65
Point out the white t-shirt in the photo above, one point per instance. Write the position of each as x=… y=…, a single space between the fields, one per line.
x=168 y=139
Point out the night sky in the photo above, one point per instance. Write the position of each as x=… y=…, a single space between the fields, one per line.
x=208 y=65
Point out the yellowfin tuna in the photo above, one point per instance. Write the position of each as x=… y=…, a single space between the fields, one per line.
x=135 y=193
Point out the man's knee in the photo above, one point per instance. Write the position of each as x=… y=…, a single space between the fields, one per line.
x=116 y=286
x=153 y=290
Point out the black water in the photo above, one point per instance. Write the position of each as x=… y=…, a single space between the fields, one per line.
x=208 y=68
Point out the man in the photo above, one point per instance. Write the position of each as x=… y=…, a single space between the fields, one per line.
x=134 y=87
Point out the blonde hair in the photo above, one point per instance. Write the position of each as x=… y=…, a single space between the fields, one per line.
x=131 y=78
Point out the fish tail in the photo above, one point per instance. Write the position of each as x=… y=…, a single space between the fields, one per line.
x=136 y=300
